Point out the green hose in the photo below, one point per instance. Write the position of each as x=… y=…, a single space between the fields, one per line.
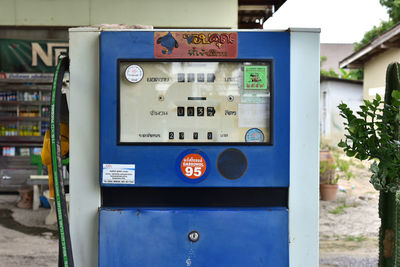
x=56 y=161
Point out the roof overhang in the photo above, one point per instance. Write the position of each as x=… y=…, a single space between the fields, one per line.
x=253 y=13
x=389 y=39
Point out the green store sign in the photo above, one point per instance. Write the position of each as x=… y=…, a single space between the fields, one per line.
x=40 y=56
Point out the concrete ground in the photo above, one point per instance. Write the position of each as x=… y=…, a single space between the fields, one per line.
x=348 y=229
x=24 y=238
x=349 y=226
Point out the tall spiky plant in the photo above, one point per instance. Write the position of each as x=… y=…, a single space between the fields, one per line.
x=374 y=134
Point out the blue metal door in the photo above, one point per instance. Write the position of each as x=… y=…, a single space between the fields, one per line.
x=226 y=237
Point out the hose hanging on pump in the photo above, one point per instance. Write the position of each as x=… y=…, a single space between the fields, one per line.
x=56 y=161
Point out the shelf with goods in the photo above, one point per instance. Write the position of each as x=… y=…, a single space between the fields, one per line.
x=24 y=119
x=23 y=103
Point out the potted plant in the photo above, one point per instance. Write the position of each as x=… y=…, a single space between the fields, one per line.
x=328 y=180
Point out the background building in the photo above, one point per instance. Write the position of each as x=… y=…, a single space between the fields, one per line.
x=333 y=54
x=333 y=92
x=335 y=89
x=374 y=58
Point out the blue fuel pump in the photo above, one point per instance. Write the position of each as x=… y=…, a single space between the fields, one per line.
x=197 y=173
x=200 y=147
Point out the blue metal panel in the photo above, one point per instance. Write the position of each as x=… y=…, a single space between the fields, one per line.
x=228 y=237
x=155 y=165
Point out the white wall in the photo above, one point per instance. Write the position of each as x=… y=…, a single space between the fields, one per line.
x=375 y=72
x=351 y=93
x=171 y=13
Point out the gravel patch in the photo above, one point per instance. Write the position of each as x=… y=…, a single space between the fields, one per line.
x=349 y=261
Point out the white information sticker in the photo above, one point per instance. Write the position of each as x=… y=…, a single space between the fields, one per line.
x=253 y=115
x=118 y=173
x=134 y=73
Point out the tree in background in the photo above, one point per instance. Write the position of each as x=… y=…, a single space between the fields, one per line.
x=393 y=9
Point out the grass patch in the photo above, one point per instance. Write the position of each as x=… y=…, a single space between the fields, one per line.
x=355 y=238
x=340 y=209
x=337 y=210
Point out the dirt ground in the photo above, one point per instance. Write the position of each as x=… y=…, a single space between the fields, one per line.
x=349 y=226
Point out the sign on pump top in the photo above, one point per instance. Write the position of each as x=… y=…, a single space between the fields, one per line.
x=195 y=45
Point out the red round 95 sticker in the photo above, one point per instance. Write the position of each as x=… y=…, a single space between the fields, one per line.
x=192 y=166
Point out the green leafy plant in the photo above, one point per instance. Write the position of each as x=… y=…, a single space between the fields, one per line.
x=344 y=166
x=373 y=135
x=356 y=74
x=329 y=73
x=370 y=35
x=327 y=172
x=393 y=10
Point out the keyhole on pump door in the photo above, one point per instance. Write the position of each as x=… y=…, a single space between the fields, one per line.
x=193 y=236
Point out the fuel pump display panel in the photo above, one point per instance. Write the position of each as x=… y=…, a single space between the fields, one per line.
x=171 y=118
x=196 y=102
